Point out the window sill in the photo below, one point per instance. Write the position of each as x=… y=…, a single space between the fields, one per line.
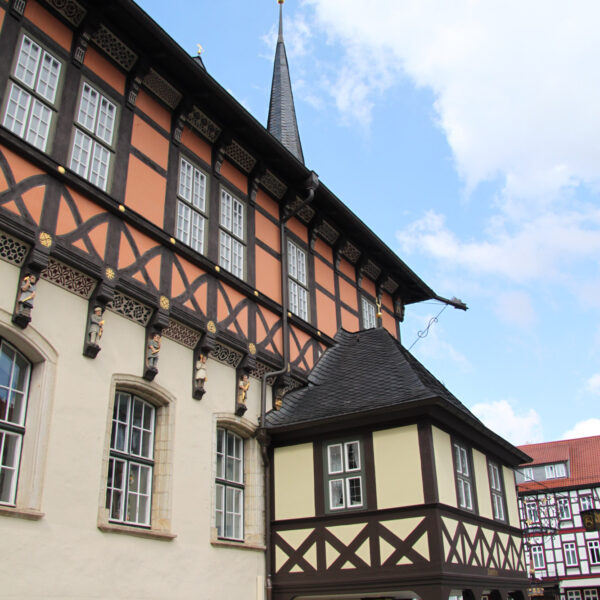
x=137 y=531
x=21 y=513
x=241 y=545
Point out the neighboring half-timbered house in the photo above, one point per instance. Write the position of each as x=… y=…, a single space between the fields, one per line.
x=384 y=485
x=557 y=491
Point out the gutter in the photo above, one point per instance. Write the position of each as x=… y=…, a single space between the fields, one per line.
x=312 y=183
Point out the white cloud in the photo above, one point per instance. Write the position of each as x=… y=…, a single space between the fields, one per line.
x=536 y=248
x=593 y=384
x=512 y=82
x=500 y=417
x=583 y=429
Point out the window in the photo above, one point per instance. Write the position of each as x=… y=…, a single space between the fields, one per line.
x=557 y=470
x=93 y=135
x=231 y=235
x=570 y=551
x=344 y=480
x=496 y=491
x=594 y=551
x=31 y=97
x=564 y=508
x=191 y=220
x=368 y=314
x=573 y=595
x=229 y=503
x=129 y=483
x=463 y=477
x=591 y=594
x=14 y=384
x=297 y=281
x=527 y=474
x=531 y=512
x=537 y=554
x=586 y=502
x=137 y=466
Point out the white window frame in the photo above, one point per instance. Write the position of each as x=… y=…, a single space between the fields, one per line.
x=12 y=427
x=191 y=222
x=497 y=491
x=562 y=504
x=94 y=134
x=229 y=489
x=573 y=595
x=590 y=594
x=341 y=478
x=570 y=554
x=532 y=514
x=464 y=480
x=586 y=502
x=232 y=234
x=527 y=473
x=297 y=280
x=31 y=96
x=369 y=312
x=593 y=548
x=128 y=503
x=538 y=557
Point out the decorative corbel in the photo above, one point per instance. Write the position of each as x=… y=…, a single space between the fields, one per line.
x=17 y=8
x=360 y=265
x=337 y=251
x=102 y=295
x=154 y=329
x=180 y=117
x=399 y=308
x=246 y=366
x=84 y=34
x=313 y=229
x=36 y=262
x=218 y=152
x=134 y=82
x=254 y=181
x=201 y=352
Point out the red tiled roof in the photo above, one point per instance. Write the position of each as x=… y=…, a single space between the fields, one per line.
x=583 y=455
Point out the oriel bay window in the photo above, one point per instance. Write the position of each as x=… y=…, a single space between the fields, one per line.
x=231 y=234
x=32 y=94
x=191 y=201
x=131 y=461
x=464 y=480
x=229 y=501
x=93 y=137
x=297 y=281
x=344 y=476
x=14 y=386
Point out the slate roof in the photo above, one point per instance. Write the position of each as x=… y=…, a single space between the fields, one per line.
x=583 y=455
x=282 y=122
x=364 y=371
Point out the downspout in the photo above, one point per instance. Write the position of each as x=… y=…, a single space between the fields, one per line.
x=312 y=183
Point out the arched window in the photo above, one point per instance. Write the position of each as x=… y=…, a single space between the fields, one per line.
x=15 y=372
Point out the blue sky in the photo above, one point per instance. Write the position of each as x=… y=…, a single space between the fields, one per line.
x=466 y=135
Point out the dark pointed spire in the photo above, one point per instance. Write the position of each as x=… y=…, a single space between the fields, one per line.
x=282 y=115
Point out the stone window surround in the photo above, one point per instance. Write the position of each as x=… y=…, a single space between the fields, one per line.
x=43 y=359
x=254 y=528
x=162 y=478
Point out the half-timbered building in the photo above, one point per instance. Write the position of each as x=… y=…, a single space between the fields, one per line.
x=170 y=269
x=559 y=504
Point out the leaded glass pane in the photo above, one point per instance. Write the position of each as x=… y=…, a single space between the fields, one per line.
x=27 y=63
x=336 y=494
x=335 y=462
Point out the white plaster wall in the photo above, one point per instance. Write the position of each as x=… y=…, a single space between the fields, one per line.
x=65 y=555
x=293 y=474
x=482 y=484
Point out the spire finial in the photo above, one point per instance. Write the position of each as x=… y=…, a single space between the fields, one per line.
x=280 y=36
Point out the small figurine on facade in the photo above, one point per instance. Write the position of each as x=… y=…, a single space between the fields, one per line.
x=200 y=376
x=152 y=354
x=27 y=293
x=243 y=387
x=94 y=332
x=95 y=326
